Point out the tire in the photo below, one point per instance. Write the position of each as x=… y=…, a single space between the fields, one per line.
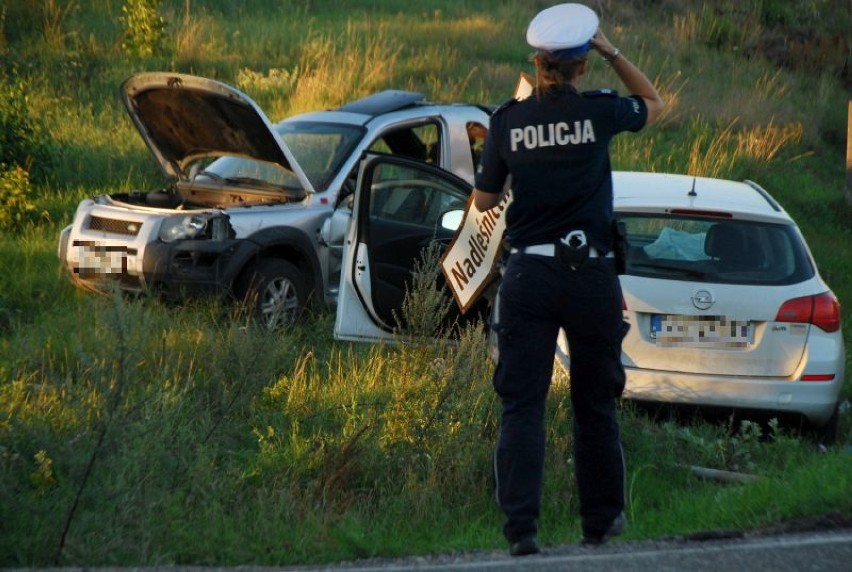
x=827 y=434
x=275 y=292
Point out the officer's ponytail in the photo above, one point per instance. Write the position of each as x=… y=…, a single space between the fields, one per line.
x=553 y=73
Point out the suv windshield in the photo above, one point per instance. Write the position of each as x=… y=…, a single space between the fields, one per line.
x=319 y=148
x=713 y=250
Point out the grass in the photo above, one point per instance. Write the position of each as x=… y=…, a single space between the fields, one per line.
x=133 y=433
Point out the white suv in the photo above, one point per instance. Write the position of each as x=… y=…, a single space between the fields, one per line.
x=254 y=211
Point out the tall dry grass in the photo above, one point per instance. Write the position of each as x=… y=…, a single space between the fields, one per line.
x=197 y=37
x=330 y=70
x=232 y=446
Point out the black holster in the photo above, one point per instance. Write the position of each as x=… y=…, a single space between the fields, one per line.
x=572 y=251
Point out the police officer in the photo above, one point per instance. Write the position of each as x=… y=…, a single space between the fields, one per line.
x=560 y=272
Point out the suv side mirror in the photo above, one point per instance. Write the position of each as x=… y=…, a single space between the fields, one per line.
x=451 y=220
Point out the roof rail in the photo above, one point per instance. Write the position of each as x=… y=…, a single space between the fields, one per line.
x=765 y=194
x=383 y=102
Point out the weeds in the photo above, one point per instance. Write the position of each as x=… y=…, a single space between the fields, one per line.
x=113 y=392
x=426 y=302
x=24 y=139
x=273 y=83
x=722 y=153
x=196 y=439
x=53 y=27
x=196 y=37
x=349 y=65
x=144 y=28
x=762 y=144
x=16 y=205
x=142 y=419
x=329 y=70
x=713 y=158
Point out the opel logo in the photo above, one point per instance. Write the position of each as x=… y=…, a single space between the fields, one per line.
x=703 y=299
x=132 y=228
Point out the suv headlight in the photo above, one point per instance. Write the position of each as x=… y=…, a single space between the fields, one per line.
x=210 y=226
x=182 y=227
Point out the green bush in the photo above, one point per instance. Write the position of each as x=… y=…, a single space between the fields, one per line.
x=16 y=207
x=144 y=28
x=24 y=141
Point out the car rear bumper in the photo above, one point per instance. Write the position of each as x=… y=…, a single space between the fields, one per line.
x=815 y=400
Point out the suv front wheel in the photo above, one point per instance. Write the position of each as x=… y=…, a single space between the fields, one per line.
x=275 y=291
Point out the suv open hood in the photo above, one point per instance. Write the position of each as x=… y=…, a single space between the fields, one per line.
x=183 y=118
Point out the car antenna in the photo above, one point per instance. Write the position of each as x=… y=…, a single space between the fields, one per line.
x=692 y=192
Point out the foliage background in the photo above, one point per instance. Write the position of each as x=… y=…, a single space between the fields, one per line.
x=136 y=434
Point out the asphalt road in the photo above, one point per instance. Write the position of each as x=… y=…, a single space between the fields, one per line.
x=823 y=551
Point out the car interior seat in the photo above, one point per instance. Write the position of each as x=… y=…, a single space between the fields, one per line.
x=413 y=208
x=734 y=249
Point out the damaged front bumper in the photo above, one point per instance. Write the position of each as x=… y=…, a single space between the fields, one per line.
x=175 y=271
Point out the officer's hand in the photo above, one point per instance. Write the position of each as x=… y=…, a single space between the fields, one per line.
x=602 y=44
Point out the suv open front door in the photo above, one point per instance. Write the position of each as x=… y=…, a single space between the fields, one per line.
x=397 y=213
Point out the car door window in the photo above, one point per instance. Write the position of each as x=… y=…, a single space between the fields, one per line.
x=411 y=196
x=476 y=133
x=421 y=142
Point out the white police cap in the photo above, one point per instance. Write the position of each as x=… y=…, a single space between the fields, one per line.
x=565 y=30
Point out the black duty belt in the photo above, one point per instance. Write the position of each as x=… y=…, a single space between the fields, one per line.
x=549 y=249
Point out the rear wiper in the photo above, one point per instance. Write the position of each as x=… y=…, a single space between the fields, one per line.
x=670 y=267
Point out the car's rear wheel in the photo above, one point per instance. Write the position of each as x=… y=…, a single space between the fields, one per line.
x=275 y=292
x=827 y=434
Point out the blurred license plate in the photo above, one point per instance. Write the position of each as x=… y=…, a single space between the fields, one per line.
x=100 y=259
x=719 y=331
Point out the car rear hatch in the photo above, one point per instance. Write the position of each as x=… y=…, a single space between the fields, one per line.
x=737 y=335
x=184 y=118
x=705 y=295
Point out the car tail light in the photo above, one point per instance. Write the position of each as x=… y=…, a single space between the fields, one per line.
x=822 y=310
x=818 y=377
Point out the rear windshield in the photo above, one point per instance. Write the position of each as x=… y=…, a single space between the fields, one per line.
x=712 y=250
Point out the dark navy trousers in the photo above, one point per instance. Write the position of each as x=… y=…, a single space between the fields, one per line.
x=538 y=295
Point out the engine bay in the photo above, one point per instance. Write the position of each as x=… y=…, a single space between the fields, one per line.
x=195 y=196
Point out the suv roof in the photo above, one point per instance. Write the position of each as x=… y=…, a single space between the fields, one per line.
x=392 y=100
x=383 y=102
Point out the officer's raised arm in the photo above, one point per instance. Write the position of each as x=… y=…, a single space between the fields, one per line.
x=632 y=77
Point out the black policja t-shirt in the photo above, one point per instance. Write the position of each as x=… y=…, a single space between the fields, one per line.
x=557 y=151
